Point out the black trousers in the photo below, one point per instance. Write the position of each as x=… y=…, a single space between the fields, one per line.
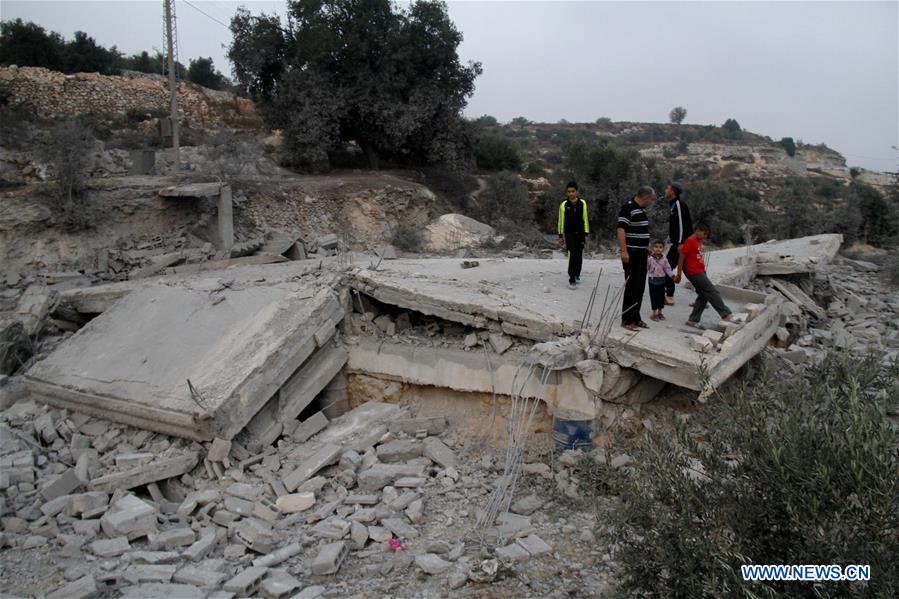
x=657 y=296
x=706 y=293
x=574 y=243
x=673 y=257
x=634 y=286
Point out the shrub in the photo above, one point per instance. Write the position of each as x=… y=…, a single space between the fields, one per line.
x=732 y=129
x=789 y=145
x=604 y=121
x=789 y=470
x=408 y=238
x=504 y=199
x=138 y=115
x=68 y=153
x=497 y=153
x=726 y=210
x=890 y=270
x=487 y=121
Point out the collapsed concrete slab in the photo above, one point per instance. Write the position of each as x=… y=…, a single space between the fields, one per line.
x=526 y=298
x=236 y=344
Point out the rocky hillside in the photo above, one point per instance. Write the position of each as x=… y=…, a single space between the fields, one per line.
x=692 y=152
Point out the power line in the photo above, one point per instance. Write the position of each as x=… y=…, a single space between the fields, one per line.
x=207 y=14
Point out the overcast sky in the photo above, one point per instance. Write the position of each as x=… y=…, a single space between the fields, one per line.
x=816 y=71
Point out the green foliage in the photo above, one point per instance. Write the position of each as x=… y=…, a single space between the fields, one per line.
x=854 y=172
x=202 y=72
x=879 y=214
x=504 y=201
x=520 y=121
x=84 y=55
x=890 y=270
x=497 y=153
x=368 y=71
x=608 y=176
x=30 y=45
x=677 y=115
x=725 y=211
x=789 y=145
x=604 y=121
x=789 y=470
x=487 y=121
x=732 y=129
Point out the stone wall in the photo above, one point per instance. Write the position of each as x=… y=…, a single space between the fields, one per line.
x=53 y=95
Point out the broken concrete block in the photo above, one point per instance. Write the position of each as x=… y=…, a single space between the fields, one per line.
x=328 y=242
x=432 y=564
x=534 y=545
x=359 y=534
x=110 y=547
x=715 y=337
x=701 y=344
x=55 y=506
x=399 y=528
x=171 y=539
x=278 y=585
x=87 y=505
x=513 y=553
x=415 y=511
x=64 y=484
x=155 y=590
x=500 y=342
x=218 y=450
x=432 y=426
x=239 y=506
x=437 y=451
x=255 y=534
x=130 y=517
x=148 y=473
x=296 y=502
x=400 y=450
x=150 y=573
x=199 y=576
x=128 y=460
x=380 y=475
x=556 y=355
x=330 y=558
x=245 y=583
x=310 y=426
x=328 y=454
x=82 y=588
x=470 y=340
x=379 y=534
x=202 y=546
x=332 y=528
x=527 y=505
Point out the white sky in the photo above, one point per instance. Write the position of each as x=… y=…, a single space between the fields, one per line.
x=817 y=71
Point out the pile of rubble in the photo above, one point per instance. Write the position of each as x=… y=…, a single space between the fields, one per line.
x=844 y=305
x=129 y=510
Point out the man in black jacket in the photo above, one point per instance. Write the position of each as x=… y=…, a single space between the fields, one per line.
x=574 y=227
x=680 y=226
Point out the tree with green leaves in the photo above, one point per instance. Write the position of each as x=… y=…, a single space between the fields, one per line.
x=677 y=115
x=202 y=72
x=30 y=45
x=84 y=55
x=498 y=153
x=389 y=79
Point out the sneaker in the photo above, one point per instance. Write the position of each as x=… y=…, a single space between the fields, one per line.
x=572 y=284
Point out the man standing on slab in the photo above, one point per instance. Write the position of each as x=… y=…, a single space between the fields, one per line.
x=573 y=231
x=680 y=226
x=633 y=240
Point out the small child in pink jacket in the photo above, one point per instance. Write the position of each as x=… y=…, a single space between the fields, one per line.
x=657 y=267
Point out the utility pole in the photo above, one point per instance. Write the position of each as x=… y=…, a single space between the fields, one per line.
x=173 y=90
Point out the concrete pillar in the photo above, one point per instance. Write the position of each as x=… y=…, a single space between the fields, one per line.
x=225 y=220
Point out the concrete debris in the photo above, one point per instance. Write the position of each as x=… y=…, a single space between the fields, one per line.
x=329 y=558
x=246 y=583
x=130 y=517
x=432 y=564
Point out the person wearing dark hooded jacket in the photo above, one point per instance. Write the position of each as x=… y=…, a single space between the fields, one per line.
x=680 y=226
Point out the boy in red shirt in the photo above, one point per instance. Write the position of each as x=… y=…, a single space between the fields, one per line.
x=691 y=262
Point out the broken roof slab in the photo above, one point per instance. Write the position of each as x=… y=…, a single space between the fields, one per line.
x=529 y=298
x=237 y=344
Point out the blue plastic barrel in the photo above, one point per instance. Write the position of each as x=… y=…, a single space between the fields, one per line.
x=573 y=434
